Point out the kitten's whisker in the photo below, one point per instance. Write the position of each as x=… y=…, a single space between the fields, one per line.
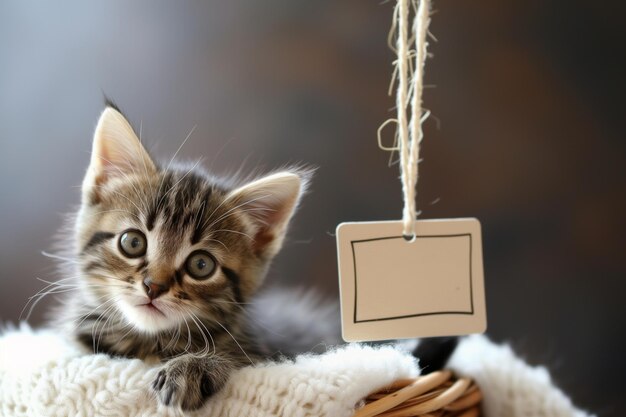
x=103 y=329
x=257 y=209
x=130 y=329
x=206 y=341
x=228 y=211
x=220 y=150
x=76 y=326
x=95 y=334
x=59 y=257
x=56 y=290
x=118 y=281
x=239 y=303
x=80 y=287
x=169 y=164
x=101 y=316
x=245 y=210
x=250 y=315
x=61 y=282
x=174 y=332
x=193 y=129
x=231 y=210
x=38 y=296
x=86 y=316
x=213 y=212
x=178 y=330
x=218 y=241
x=175 y=336
x=235 y=340
x=44 y=289
x=188 y=344
x=207 y=346
x=207 y=331
x=233 y=231
x=116 y=211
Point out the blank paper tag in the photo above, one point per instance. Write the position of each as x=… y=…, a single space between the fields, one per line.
x=394 y=289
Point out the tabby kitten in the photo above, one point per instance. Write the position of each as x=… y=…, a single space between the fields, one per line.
x=168 y=258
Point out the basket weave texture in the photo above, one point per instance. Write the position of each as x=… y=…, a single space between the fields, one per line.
x=438 y=394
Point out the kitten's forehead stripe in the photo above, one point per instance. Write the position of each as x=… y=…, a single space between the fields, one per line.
x=97 y=238
x=150 y=218
x=157 y=199
x=198 y=227
x=179 y=204
x=185 y=201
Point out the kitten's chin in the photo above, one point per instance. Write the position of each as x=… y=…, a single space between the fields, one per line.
x=147 y=317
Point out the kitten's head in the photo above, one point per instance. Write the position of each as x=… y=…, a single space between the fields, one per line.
x=164 y=245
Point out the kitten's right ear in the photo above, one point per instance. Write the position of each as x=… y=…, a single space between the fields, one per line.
x=116 y=153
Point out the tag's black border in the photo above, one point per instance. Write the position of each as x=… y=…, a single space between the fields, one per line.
x=468 y=313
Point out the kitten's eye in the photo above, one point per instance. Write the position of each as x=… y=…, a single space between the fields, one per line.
x=200 y=264
x=133 y=243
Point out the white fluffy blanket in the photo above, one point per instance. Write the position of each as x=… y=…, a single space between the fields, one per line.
x=42 y=375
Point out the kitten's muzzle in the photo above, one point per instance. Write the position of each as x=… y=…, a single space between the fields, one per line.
x=154 y=289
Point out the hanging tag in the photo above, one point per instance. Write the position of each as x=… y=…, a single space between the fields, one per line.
x=392 y=288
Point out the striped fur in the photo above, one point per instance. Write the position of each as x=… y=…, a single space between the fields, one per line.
x=197 y=328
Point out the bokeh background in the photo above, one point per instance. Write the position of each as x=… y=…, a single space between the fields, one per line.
x=527 y=134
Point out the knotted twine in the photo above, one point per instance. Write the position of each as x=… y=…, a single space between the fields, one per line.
x=410 y=85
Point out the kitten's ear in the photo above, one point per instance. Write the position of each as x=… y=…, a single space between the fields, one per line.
x=116 y=153
x=270 y=203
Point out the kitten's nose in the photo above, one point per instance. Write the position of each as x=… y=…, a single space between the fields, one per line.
x=154 y=289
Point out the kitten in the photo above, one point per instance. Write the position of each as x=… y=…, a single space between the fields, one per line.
x=167 y=260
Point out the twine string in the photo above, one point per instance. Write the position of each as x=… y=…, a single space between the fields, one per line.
x=409 y=76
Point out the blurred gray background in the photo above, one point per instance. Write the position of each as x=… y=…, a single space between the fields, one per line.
x=527 y=135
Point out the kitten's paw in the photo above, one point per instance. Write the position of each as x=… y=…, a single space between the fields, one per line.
x=187 y=382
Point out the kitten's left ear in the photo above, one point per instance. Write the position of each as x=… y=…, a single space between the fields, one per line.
x=117 y=153
x=270 y=203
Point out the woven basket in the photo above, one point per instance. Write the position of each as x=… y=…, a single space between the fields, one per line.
x=438 y=394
